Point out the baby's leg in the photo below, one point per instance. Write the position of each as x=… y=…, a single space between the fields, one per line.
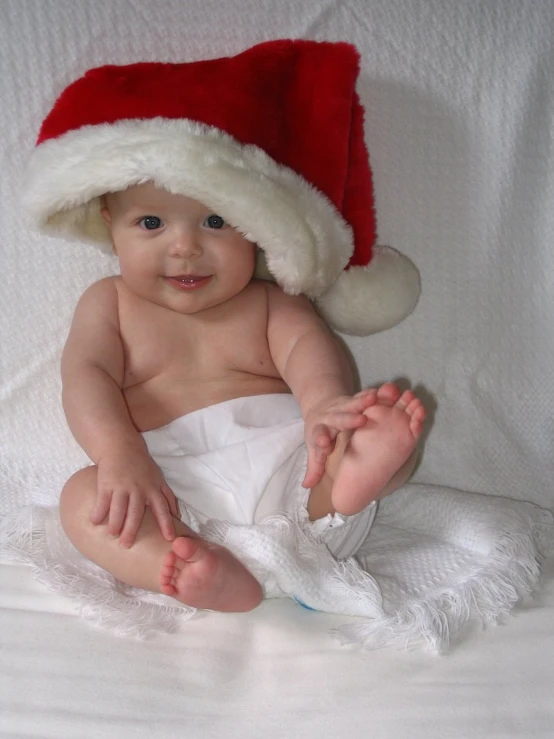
x=375 y=459
x=191 y=570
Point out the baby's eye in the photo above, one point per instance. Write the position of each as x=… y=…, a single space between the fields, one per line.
x=150 y=223
x=214 y=221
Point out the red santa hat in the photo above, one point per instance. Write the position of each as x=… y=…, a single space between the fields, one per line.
x=272 y=139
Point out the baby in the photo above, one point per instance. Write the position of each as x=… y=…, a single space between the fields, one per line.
x=203 y=382
x=185 y=326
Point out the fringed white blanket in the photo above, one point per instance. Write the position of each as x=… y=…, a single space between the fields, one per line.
x=434 y=559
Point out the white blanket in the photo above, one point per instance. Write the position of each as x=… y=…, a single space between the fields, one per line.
x=433 y=560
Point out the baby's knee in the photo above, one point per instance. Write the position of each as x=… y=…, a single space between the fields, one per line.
x=76 y=500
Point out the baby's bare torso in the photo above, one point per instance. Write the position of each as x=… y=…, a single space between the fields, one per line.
x=178 y=363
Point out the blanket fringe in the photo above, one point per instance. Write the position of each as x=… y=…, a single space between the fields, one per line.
x=26 y=539
x=510 y=572
x=307 y=572
x=288 y=561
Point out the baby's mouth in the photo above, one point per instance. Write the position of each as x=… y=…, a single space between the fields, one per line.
x=190 y=278
x=188 y=282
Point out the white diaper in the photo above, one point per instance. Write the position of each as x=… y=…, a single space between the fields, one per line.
x=245 y=459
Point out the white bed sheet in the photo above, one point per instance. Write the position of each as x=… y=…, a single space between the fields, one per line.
x=274 y=673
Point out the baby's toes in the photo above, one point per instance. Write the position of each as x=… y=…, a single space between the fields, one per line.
x=185 y=549
x=417 y=416
x=405 y=400
x=416 y=429
x=167 y=569
x=415 y=409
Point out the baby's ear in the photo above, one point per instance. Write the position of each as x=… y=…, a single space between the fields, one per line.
x=106 y=215
x=104 y=212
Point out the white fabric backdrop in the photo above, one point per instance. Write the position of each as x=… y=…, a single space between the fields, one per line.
x=459 y=99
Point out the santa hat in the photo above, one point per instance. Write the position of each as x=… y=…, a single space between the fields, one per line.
x=271 y=139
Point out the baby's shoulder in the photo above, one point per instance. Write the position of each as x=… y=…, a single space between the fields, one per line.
x=279 y=300
x=102 y=296
x=275 y=292
x=104 y=286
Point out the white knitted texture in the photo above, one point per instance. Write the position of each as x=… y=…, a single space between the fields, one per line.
x=434 y=559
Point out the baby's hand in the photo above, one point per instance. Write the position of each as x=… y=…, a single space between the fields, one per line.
x=128 y=482
x=323 y=424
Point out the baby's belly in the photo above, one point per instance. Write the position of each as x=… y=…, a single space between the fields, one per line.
x=157 y=403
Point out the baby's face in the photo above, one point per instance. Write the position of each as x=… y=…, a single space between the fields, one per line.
x=174 y=251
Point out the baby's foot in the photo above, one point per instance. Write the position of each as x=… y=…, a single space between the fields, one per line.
x=207 y=576
x=376 y=451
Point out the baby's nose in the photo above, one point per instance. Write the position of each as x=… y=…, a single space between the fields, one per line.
x=185 y=243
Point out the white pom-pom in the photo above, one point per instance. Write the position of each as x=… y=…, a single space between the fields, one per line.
x=365 y=300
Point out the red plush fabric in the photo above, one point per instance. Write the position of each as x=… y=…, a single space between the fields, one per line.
x=296 y=100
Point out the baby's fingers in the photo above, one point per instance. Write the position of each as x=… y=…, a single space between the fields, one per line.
x=133 y=520
x=347 y=420
x=315 y=467
x=318 y=451
x=169 y=495
x=365 y=398
x=118 y=513
x=360 y=402
x=162 y=514
x=101 y=507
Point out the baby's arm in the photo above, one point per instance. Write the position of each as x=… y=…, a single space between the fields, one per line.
x=92 y=377
x=316 y=369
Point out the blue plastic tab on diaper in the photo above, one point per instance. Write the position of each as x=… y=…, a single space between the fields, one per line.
x=308 y=608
